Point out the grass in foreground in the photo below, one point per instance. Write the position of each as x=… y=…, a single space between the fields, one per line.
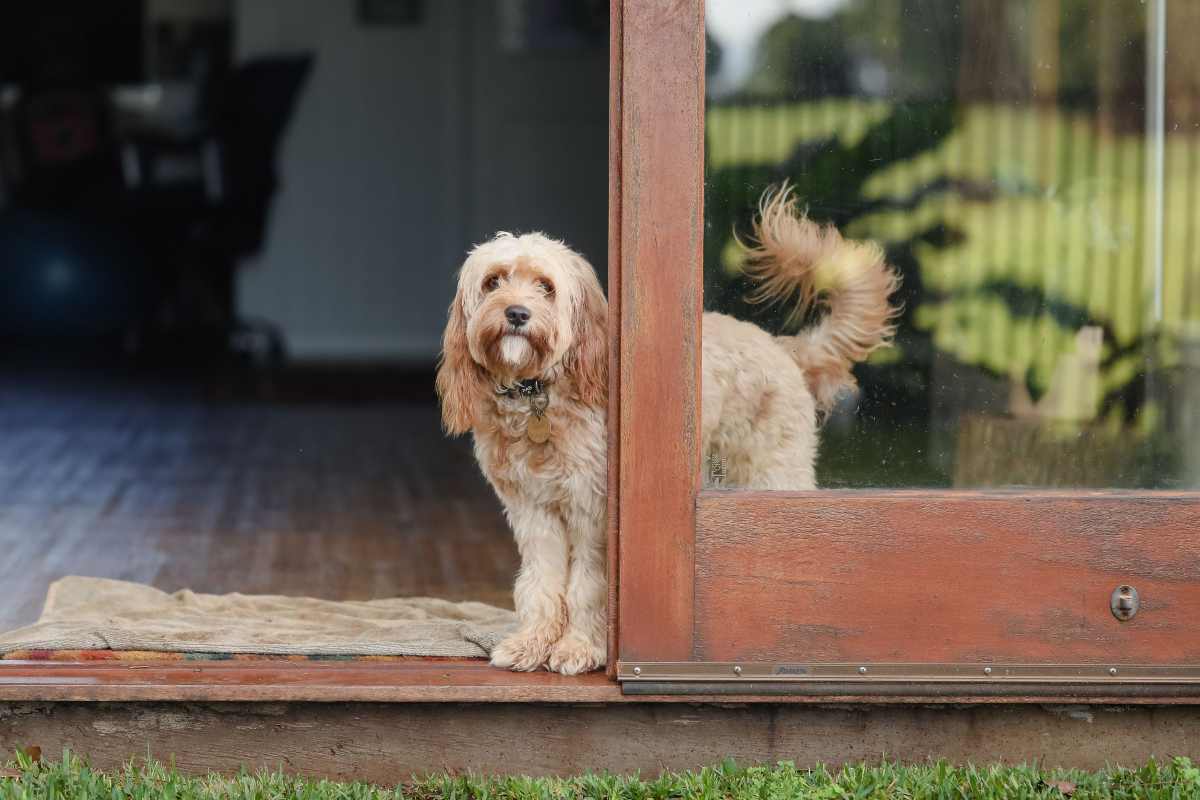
x=71 y=778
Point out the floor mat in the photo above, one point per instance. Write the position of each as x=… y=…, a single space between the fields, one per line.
x=98 y=615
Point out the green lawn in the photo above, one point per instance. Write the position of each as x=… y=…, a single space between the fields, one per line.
x=71 y=778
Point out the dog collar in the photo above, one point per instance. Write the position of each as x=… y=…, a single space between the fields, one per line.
x=538 y=427
x=532 y=387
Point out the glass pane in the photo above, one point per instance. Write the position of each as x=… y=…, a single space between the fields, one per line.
x=1031 y=170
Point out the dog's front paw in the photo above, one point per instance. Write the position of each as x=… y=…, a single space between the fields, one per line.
x=524 y=651
x=574 y=655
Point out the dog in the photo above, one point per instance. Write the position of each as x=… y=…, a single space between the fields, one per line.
x=763 y=396
x=524 y=369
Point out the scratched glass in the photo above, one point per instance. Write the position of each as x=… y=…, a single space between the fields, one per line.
x=1031 y=169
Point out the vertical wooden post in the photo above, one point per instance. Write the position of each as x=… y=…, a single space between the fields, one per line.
x=659 y=301
x=614 y=331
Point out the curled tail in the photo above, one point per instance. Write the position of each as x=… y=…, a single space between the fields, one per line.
x=795 y=260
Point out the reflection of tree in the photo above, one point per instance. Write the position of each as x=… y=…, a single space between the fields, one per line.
x=991 y=66
x=801 y=57
x=917 y=43
x=713 y=55
x=944 y=57
x=829 y=176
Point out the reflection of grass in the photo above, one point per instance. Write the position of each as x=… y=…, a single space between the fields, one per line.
x=895 y=454
x=876 y=453
x=1064 y=214
x=742 y=135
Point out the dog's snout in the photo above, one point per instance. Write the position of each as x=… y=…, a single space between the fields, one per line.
x=517 y=315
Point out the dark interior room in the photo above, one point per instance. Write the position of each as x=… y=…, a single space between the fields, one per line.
x=229 y=233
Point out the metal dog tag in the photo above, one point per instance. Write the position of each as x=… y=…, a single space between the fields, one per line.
x=538 y=429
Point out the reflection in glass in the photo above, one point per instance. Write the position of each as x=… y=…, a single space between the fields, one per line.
x=1032 y=168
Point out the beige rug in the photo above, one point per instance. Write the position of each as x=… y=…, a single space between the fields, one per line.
x=101 y=614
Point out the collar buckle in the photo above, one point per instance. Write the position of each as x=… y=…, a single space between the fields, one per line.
x=531 y=387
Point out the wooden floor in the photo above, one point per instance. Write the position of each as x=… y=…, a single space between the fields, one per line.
x=157 y=482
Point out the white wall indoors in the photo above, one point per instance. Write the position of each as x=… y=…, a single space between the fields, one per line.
x=407 y=145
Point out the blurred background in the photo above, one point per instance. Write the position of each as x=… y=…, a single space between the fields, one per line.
x=229 y=233
x=1033 y=168
x=307 y=172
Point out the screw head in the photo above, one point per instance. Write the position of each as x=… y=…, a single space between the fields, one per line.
x=1112 y=670
x=987 y=670
x=737 y=670
x=637 y=671
x=1124 y=602
x=862 y=670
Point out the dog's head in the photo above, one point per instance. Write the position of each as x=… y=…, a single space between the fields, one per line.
x=526 y=307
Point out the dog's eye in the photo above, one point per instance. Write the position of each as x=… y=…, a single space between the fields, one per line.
x=546 y=286
x=491 y=283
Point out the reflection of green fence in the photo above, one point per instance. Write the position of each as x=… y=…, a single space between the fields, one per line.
x=1049 y=206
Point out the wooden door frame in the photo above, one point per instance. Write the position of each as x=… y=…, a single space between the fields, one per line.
x=656 y=210
x=663 y=639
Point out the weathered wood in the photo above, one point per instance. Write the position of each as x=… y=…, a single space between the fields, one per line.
x=946 y=577
x=614 y=330
x=413 y=680
x=387 y=744
x=420 y=680
x=659 y=304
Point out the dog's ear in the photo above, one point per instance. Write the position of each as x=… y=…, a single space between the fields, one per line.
x=459 y=378
x=587 y=360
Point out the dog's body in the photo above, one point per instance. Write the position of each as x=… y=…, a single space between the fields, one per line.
x=528 y=327
x=762 y=395
x=554 y=496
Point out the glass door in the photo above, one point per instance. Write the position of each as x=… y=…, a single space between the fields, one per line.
x=1031 y=171
x=966 y=452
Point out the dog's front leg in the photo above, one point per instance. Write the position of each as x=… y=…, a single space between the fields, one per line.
x=539 y=593
x=584 y=646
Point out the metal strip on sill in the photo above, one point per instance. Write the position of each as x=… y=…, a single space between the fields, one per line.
x=751 y=678
x=1000 y=689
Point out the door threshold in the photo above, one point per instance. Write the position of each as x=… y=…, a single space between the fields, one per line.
x=417 y=680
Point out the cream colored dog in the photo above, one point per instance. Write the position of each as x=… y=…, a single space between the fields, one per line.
x=524 y=369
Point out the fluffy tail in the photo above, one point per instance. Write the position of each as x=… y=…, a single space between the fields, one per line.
x=793 y=259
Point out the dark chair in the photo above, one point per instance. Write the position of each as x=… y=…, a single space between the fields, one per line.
x=249 y=123
x=217 y=212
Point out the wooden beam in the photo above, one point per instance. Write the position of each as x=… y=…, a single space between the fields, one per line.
x=959 y=577
x=418 y=680
x=421 y=681
x=388 y=744
x=614 y=330
x=659 y=306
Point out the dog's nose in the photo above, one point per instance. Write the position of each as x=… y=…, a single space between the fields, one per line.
x=517 y=315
